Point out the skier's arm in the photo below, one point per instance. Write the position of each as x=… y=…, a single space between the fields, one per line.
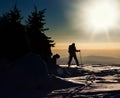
x=77 y=50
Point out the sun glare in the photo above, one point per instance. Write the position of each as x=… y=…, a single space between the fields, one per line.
x=102 y=15
x=95 y=19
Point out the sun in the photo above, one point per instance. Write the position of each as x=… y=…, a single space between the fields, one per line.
x=94 y=19
x=102 y=15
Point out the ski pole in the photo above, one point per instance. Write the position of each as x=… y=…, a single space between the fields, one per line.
x=80 y=57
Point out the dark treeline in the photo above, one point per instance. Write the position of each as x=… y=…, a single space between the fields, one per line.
x=26 y=60
x=17 y=39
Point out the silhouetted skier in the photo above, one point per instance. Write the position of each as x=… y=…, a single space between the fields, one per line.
x=72 y=54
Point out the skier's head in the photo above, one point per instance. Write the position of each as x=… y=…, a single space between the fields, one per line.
x=73 y=44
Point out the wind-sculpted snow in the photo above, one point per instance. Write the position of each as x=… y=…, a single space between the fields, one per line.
x=99 y=81
x=85 y=81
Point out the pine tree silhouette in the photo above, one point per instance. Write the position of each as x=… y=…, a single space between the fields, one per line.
x=40 y=43
x=12 y=37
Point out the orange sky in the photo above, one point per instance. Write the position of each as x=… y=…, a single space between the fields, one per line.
x=114 y=46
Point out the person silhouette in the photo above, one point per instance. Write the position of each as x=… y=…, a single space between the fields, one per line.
x=54 y=58
x=53 y=65
x=72 y=54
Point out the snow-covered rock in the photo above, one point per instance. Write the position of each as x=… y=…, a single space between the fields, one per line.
x=27 y=72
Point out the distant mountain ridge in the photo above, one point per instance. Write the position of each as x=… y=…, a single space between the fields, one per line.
x=93 y=59
x=101 y=57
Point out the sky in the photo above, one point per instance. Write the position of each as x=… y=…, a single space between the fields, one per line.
x=91 y=24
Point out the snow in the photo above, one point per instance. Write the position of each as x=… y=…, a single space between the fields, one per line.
x=85 y=79
x=24 y=76
x=104 y=82
x=100 y=81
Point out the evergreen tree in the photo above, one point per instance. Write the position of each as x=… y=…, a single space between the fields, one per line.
x=40 y=43
x=12 y=40
x=36 y=20
x=15 y=16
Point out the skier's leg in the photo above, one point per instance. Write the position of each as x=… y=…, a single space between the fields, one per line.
x=70 y=59
x=76 y=60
